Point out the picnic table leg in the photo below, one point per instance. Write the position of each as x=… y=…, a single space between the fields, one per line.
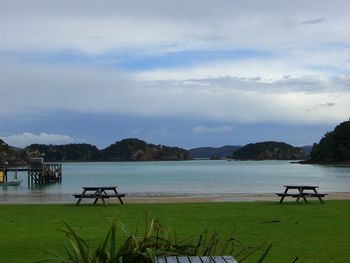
x=298 y=198
x=99 y=196
x=281 y=200
x=102 y=199
x=318 y=196
x=81 y=197
x=305 y=200
x=120 y=199
x=96 y=198
x=301 y=195
x=284 y=195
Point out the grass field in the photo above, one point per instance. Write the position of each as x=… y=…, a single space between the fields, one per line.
x=312 y=232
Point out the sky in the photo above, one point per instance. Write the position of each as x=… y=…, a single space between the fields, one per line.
x=178 y=73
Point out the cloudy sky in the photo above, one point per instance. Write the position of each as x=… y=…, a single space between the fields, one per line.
x=179 y=73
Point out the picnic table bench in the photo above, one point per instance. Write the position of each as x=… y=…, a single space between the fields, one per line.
x=196 y=259
x=311 y=191
x=99 y=193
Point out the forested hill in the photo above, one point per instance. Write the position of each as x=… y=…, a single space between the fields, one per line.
x=269 y=151
x=61 y=153
x=137 y=150
x=334 y=147
x=7 y=152
x=125 y=150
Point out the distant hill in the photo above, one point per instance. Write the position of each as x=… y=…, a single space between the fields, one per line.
x=307 y=149
x=212 y=152
x=334 y=146
x=126 y=150
x=136 y=150
x=7 y=152
x=64 y=153
x=269 y=151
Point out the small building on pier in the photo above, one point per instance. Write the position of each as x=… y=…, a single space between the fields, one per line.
x=40 y=172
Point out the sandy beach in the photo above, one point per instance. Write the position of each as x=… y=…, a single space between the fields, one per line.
x=68 y=199
x=225 y=198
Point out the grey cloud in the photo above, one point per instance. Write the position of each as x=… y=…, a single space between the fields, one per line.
x=314 y=21
x=321 y=105
x=48 y=25
x=222 y=99
x=167 y=8
x=342 y=82
x=95 y=37
x=307 y=84
x=215 y=129
x=328 y=104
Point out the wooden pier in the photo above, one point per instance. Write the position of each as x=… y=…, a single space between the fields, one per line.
x=44 y=173
x=39 y=172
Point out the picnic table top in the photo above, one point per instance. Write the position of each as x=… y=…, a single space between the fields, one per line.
x=302 y=186
x=99 y=187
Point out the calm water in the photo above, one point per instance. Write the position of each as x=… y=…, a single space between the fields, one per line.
x=184 y=178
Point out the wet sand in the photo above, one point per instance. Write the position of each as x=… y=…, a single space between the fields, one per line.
x=68 y=199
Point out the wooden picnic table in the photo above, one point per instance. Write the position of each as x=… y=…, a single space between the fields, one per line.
x=303 y=191
x=99 y=193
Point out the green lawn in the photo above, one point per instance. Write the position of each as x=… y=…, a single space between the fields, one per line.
x=313 y=232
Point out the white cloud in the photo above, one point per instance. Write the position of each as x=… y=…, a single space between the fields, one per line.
x=307 y=66
x=42 y=25
x=291 y=99
x=26 y=138
x=319 y=62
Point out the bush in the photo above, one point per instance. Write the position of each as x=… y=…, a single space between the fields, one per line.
x=154 y=242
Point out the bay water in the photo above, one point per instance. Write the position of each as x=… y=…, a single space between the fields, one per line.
x=182 y=178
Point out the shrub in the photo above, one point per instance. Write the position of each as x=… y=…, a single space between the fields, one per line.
x=154 y=242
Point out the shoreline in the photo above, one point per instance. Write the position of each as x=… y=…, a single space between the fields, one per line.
x=143 y=199
x=225 y=198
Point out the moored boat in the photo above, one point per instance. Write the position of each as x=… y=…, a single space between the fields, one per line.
x=11 y=183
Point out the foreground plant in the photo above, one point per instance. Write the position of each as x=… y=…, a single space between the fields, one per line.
x=154 y=242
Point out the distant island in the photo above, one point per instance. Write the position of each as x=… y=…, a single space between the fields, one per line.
x=131 y=149
x=334 y=147
x=226 y=152
x=269 y=150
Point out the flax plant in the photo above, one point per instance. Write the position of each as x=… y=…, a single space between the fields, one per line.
x=154 y=242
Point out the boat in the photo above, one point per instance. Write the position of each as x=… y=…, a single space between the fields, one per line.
x=4 y=178
x=11 y=183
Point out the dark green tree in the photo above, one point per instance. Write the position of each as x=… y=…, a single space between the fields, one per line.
x=334 y=146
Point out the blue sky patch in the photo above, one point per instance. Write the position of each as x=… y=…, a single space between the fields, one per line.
x=137 y=62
